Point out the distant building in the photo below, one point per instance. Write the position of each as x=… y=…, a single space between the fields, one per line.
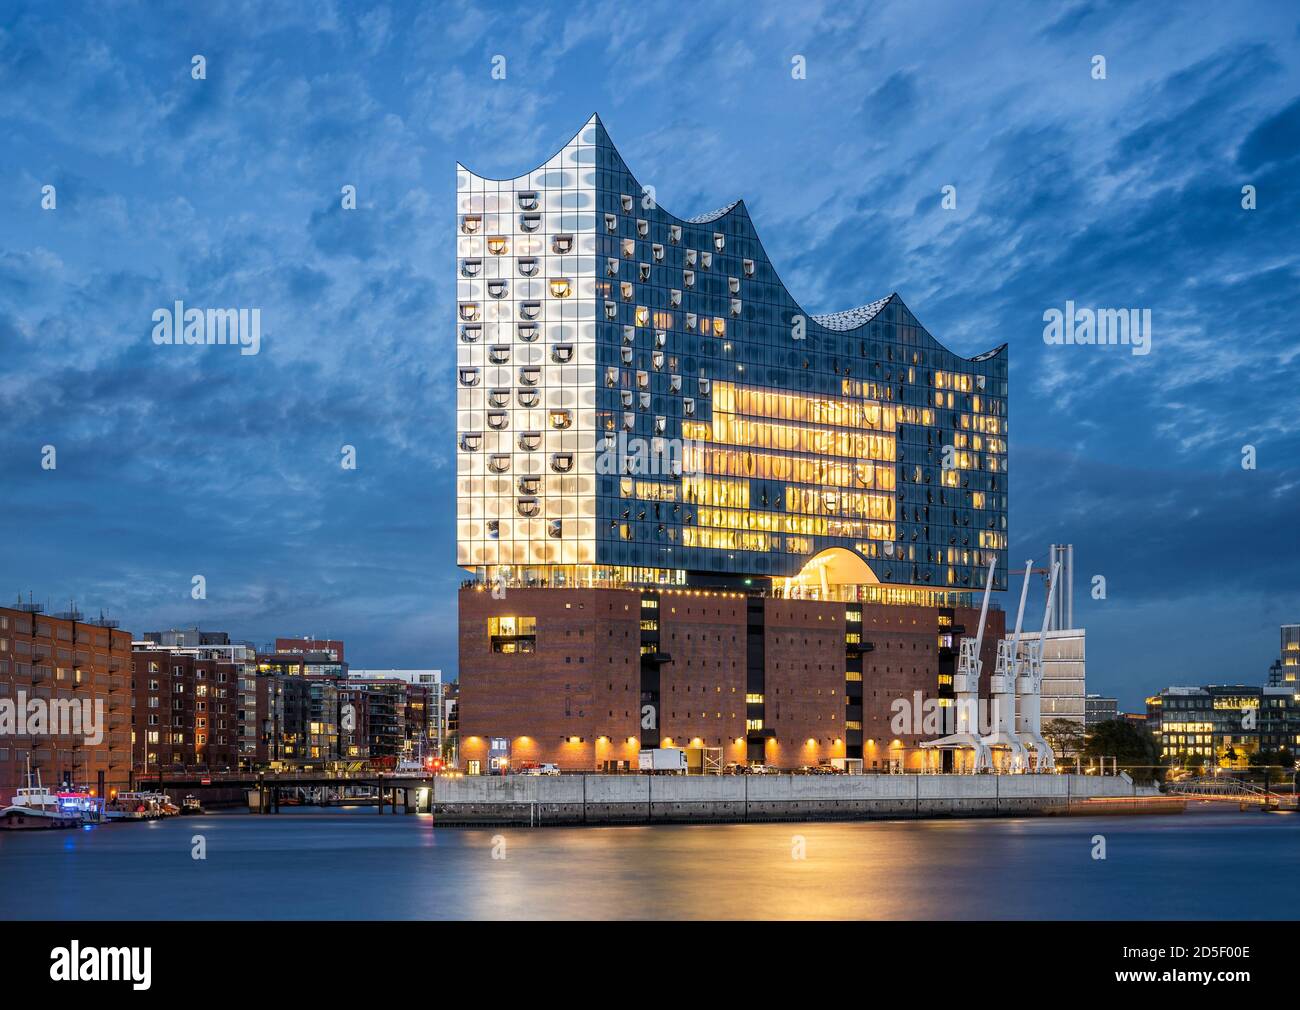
x=1064 y=674
x=1224 y=724
x=1138 y=719
x=65 y=658
x=1099 y=709
x=415 y=698
x=187 y=638
x=186 y=704
x=1284 y=670
x=333 y=648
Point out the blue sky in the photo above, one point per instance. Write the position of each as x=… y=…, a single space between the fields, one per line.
x=1122 y=192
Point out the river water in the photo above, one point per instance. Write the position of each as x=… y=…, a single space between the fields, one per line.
x=357 y=864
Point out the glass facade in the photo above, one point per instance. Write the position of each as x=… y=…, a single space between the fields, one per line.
x=640 y=399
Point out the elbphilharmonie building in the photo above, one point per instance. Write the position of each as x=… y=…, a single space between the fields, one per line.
x=643 y=406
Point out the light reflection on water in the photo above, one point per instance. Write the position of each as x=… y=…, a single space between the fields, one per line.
x=360 y=865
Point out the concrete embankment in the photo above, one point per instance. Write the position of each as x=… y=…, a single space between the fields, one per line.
x=641 y=799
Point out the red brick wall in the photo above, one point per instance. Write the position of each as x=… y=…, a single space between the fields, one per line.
x=804 y=682
x=702 y=691
x=40 y=656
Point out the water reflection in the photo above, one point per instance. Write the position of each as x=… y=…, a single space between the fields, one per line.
x=358 y=865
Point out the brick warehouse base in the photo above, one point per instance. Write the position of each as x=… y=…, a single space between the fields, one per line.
x=786 y=683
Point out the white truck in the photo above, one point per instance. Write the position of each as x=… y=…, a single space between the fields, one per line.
x=662 y=761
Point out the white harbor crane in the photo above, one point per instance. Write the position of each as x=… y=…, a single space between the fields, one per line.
x=1029 y=687
x=966 y=686
x=1002 y=689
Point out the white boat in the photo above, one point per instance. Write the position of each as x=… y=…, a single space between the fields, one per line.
x=34 y=807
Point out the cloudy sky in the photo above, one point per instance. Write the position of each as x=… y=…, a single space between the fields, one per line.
x=1117 y=192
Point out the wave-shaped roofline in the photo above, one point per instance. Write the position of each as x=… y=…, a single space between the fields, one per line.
x=857 y=316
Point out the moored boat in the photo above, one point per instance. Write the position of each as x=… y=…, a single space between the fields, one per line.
x=34 y=807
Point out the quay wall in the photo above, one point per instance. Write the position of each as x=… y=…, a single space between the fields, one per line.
x=640 y=799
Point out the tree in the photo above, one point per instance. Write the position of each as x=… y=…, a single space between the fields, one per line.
x=1133 y=747
x=1065 y=737
x=1277 y=765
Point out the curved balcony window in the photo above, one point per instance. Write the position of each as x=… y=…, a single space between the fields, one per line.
x=530 y=375
x=469 y=312
x=691 y=256
x=471 y=441
x=469 y=377
x=498 y=245
x=499 y=354
x=611 y=266
x=562 y=245
x=657 y=251
x=611 y=223
x=610 y=442
x=642 y=316
x=471 y=268
x=626 y=396
x=528 y=200
x=657 y=359
x=561 y=419
x=498 y=397
x=675 y=298
x=528 y=266
x=692 y=322
x=530 y=310
x=719 y=241
x=831 y=501
x=627 y=355
x=561 y=287
x=611 y=309
x=661 y=425
x=644 y=399
x=629 y=420
x=562 y=354
x=625 y=202
x=688 y=278
x=629 y=334
x=529 y=508
x=735 y=307
x=661 y=338
x=748 y=267
x=733 y=285
x=528 y=332
x=674 y=233
x=705 y=386
x=706 y=260
x=674 y=383
x=499 y=462
x=471 y=333
x=629 y=248
x=642 y=380
x=498 y=289
x=611 y=377
x=675 y=468
x=528 y=398
x=530 y=441
x=494 y=529
x=562 y=462
x=529 y=223
x=471 y=224
x=498 y=420
x=643 y=271
x=530 y=486
x=626 y=290
x=555 y=528
x=642 y=227
x=688 y=406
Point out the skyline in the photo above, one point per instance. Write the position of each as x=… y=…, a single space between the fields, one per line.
x=1140 y=173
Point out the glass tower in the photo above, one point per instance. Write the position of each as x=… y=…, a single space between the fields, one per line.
x=640 y=401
